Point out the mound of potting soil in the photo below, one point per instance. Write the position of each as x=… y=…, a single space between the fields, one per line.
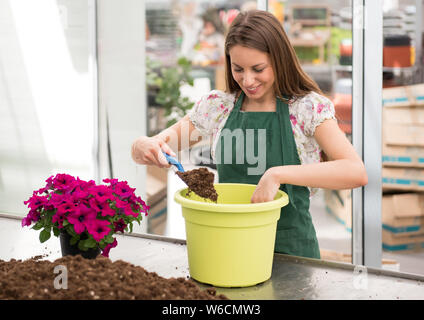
x=200 y=181
x=99 y=278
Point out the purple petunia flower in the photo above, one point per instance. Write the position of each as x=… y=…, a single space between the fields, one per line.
x=26 y=221
x=125 y=208
x=123 y=190
x=111 y=181
x=36 y=201
x=85 y=185
x=102 y=207
x=49 y=182
x=106 y=250
x=146 y=208
x=81 y=218
x=59 y=217
x=120 y=225
x=32 y=216
x=98 y=228
x=79 y=193
x=101 y=193
x=57 y=199
x=63 y=181
x=66 y=208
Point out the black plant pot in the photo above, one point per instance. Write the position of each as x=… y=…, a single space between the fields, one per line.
x=72 y=250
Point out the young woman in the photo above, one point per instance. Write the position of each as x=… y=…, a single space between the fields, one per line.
x=267 y=90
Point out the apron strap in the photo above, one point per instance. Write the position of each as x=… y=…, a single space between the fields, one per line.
x=239 y=101
x=289 y=158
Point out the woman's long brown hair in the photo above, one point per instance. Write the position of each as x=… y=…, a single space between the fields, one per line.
x=262 y=31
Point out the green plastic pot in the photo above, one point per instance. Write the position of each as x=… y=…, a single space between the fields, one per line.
x=230 y=243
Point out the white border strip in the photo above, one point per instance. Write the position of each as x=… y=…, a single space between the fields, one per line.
x=372 y=137
x=93 y=71
x=366 y=129
x=357 y=125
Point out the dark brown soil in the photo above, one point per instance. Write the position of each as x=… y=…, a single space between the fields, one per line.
x=99 y=278
x=200 y=181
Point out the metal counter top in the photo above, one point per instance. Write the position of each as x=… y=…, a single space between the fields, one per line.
x=292 y=277
x=297 y=278
x=301 y=278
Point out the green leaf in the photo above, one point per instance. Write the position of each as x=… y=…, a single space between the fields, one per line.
x=56 y=231
x=50 y=213
x=71 y=230
x=74 y=239
x=81 y=245
x=90 y=243
x=108 y=239
x=65 y=223
x=37 y=226
x=45 y=235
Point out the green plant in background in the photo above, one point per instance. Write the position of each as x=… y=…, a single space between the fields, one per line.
x=166 y=82
x=152 y=77
x=336 y=36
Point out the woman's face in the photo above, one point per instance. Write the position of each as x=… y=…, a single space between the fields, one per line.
x=253 y=72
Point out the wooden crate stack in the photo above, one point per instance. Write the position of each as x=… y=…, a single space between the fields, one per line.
x=156 y=191
x=338 y=203
x=403 y=168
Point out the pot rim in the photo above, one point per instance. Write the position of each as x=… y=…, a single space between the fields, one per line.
x=208 y=205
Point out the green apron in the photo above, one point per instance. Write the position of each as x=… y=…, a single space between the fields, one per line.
x=295 y=231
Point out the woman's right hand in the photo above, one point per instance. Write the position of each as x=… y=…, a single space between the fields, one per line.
x=148 y=151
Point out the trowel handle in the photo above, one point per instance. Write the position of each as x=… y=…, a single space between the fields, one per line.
x=173 y=161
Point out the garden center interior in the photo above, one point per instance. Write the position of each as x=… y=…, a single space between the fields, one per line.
x=79 y=84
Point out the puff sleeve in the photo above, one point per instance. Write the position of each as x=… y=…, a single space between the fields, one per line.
x=317 y=108
x=212 y=108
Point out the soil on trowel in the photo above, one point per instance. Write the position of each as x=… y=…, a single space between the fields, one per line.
x=94 y=279
x=200 y=181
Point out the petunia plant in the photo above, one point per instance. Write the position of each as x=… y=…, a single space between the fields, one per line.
x=92 y=214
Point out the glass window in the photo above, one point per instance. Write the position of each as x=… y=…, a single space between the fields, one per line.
x=46 y=97
x=322 y=37
x=321 y=34
x=185 y=60
x=403 y=136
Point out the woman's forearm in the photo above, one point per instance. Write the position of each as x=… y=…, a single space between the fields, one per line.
x=180 y=135
x=336 y=175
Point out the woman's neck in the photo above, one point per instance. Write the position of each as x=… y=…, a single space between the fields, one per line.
x=266 y=104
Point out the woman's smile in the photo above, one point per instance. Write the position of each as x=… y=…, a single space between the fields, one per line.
x=253 y=90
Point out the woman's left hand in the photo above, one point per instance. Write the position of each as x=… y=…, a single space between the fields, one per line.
x=267 y=187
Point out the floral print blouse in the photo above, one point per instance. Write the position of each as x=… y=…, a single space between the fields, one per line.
x=211 y=112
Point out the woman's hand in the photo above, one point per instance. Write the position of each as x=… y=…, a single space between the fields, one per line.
x=267 y=187
x=148 y=151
